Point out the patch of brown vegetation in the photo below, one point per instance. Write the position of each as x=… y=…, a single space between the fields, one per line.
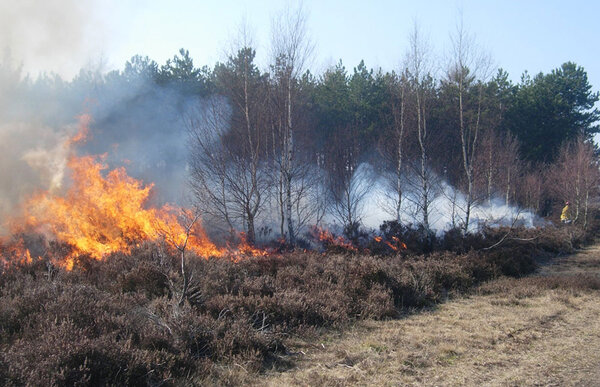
x=539 y=330
x=119 y=320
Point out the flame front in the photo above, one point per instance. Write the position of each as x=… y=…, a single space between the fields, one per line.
x=397 y=245
x=100 y=215
x=106 y=212
x=328 y=239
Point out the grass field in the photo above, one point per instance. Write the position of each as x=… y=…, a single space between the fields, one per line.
x=538 y=330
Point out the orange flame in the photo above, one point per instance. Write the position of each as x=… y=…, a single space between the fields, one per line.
x=15 y=253
x=328 y=239
x=245 y=248
x=100 y=215
x=397 y=245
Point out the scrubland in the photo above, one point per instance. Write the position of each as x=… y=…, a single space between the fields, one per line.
x=460 y=313
x=537 y=330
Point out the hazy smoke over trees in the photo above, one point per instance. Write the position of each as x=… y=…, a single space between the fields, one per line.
x=270 y=151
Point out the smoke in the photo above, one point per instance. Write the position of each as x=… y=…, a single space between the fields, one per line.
x=32 y=157
x=142 y=126
x=58 y=36
x=134 y=122
x=447 y=209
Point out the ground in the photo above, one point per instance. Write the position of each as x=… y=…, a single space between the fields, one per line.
x=539 y=330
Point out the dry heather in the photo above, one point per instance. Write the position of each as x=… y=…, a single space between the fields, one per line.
x=538 y=330
x=119 y=321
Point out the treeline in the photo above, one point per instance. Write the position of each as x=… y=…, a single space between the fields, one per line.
x=307 y=146
x=286 y=147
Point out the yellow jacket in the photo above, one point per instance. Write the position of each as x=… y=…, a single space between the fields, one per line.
x=566 y=213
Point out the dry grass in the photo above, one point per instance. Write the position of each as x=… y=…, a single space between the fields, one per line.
x=539 y=330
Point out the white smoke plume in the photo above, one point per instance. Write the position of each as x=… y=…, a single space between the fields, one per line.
x=58 y=36
x=446 y=210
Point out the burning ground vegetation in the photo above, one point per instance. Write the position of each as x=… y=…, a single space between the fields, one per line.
x=102 y=213
x=106 y=211
x=98 y=287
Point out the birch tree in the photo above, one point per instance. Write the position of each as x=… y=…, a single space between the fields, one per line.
x=466 y=73
x=291 y=48
x=422 y=84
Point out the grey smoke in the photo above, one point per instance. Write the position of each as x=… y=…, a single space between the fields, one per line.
x=135 y=122
x=58 y=36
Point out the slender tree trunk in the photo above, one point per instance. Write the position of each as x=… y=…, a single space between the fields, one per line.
x=399 y=164
x=281 y=203
x=186 y=279
x=250 y=236
x=577 y=194
x=585 y=209
x=289 y=161
x=490 y=173
x=453 y=210
x=508 y=188
x=464 y=139
x=279 y=197
x=225 y=209
x=422 y=133
x=468 y=146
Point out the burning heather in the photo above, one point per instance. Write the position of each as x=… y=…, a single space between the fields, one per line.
x=327 y=238
x=106 y=212
x=395 y=245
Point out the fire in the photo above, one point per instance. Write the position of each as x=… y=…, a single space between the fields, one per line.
x=328 y=239
x=396 y=246
x=106 y=211
x=246 y=249
x=15 y=252
x=100 y=215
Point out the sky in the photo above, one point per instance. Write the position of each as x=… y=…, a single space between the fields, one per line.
x=62 y=36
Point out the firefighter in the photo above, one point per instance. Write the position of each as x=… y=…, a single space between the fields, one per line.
x=565 y=215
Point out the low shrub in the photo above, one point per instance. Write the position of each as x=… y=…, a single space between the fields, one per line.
x=119 y=321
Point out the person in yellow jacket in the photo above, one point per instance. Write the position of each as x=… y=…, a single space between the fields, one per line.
x=565 y=215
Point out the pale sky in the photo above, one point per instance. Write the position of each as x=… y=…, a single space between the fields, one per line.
x=519 y=35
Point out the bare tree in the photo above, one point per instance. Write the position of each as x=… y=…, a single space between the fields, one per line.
x=509 y=165
x=209 y=160
x=422 y=84
x=531 y=188
x=188 y=219
x=467 y=70
x=487 y=163
x=393 y=146
x=309 y=199
x=575 y=178
x=349 y=181
x=229 y=151
x=291 y=49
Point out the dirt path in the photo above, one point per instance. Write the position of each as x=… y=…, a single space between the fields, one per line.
x=539 y=330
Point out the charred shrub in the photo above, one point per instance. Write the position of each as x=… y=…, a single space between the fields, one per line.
x=417 y=240
x=356 y=234
x=456 y=240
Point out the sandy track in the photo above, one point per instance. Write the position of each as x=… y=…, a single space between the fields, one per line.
x=539 y=330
